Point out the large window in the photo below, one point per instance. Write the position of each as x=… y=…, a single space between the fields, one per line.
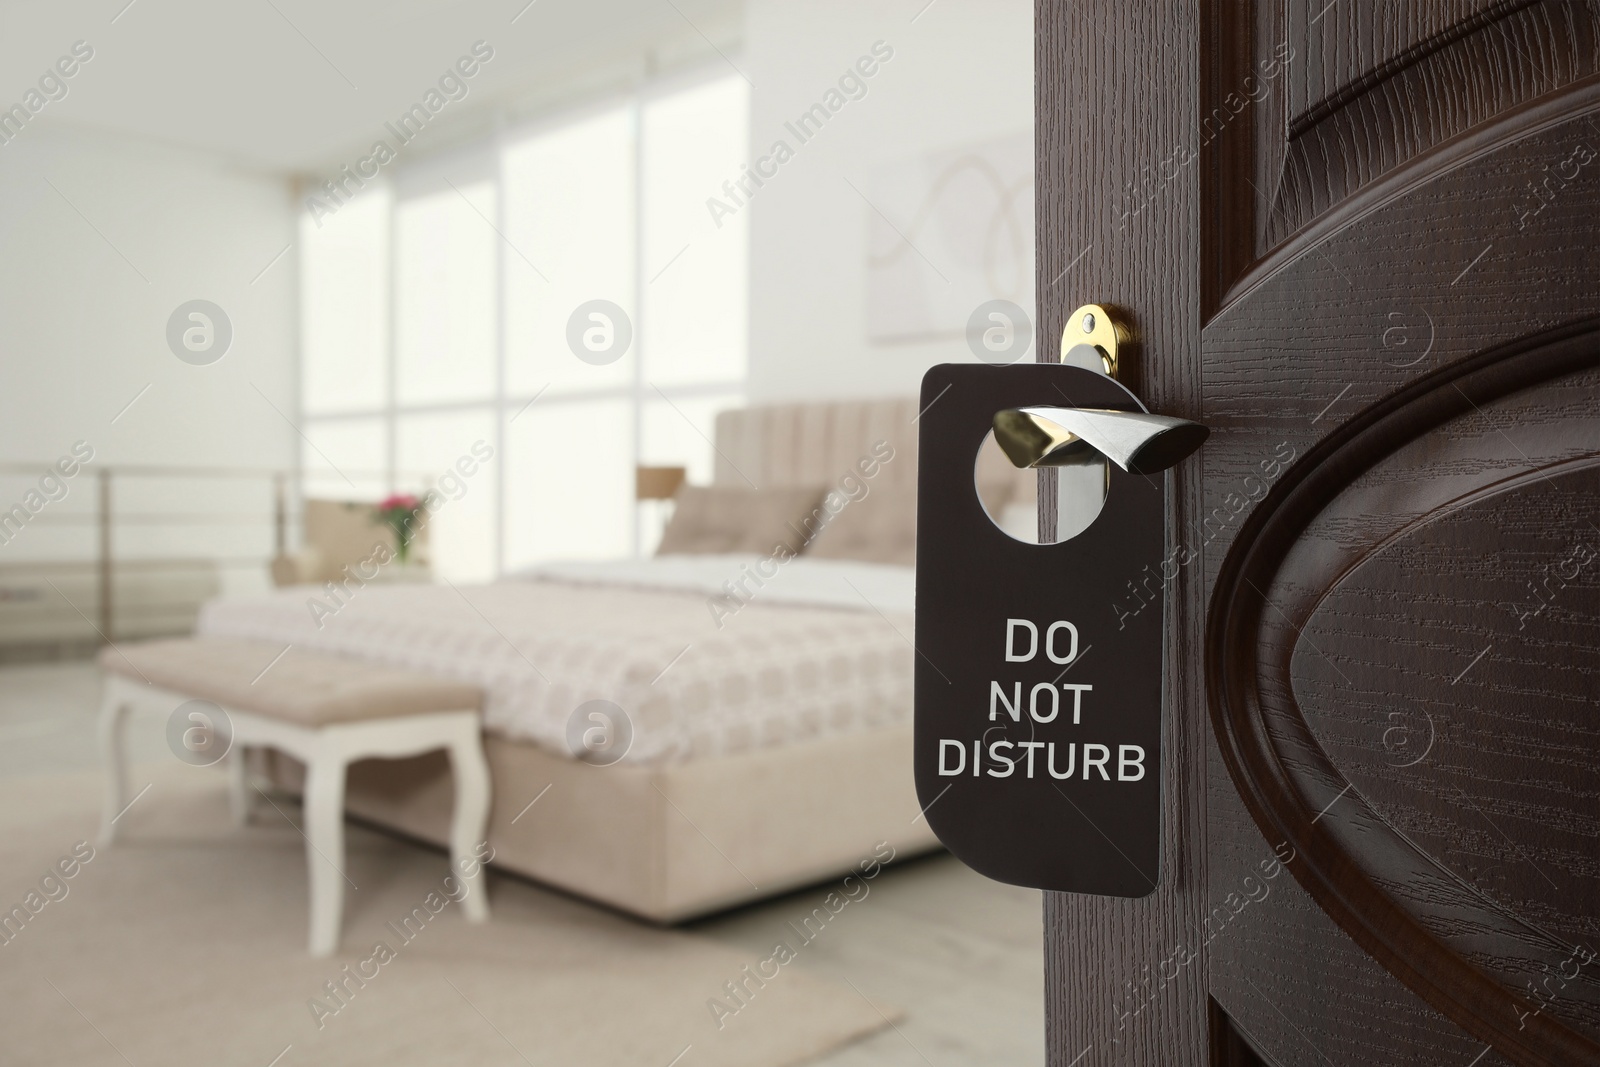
x=438 y=310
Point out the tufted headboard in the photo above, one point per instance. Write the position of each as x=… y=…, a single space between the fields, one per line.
x=784 y=445
x=779 y=445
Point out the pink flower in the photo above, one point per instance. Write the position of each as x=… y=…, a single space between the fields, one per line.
x=401 y=512
x=399 y=502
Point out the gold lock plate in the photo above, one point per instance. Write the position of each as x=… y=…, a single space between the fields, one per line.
x=1091 y=339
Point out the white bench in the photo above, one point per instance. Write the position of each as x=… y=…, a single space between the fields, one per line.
x=326 y=711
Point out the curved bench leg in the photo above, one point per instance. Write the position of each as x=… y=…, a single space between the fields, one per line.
x=324 y=819
x=114 y=753
x=470 y=819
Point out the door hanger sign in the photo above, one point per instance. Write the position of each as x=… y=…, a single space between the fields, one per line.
x=1038 y=703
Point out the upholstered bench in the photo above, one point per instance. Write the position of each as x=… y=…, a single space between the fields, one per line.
x=323 y=709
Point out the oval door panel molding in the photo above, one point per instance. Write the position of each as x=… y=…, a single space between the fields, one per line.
x=1402 y=661
x=1473 y=729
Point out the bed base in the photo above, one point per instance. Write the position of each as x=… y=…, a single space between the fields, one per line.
x=668 y=843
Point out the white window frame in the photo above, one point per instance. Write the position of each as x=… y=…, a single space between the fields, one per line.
x=500 y=404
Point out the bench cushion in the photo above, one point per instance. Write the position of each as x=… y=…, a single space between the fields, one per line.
x=303 y=687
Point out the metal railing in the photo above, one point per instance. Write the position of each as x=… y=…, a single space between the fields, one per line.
x=112 y=515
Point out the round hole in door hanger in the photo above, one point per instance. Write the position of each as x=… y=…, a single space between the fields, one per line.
x=1010 y=496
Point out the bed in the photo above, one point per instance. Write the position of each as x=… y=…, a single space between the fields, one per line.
x=768 y=694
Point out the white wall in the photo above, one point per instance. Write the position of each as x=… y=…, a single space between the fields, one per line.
x=101 y=238
x=961 y=73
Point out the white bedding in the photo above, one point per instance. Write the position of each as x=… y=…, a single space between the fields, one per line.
x=821 y=649
x=834 y=583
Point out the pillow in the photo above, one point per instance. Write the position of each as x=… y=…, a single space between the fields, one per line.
x=717 y=518
x=880 y=527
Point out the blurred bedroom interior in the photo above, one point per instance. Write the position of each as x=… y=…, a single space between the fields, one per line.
x=372 y=366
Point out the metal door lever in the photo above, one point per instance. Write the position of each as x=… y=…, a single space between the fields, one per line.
x=1057 y=437
x=1138 y=442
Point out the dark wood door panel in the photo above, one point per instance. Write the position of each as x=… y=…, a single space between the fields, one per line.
x=1467 y=953
x=1116 y=88
x=1430 y=274
x=1310 y=104
x=1359 y=124
x=1466 y=722
x=1420 y=287
x=1296 y=986
x=1349 y=46
x=1445 y=223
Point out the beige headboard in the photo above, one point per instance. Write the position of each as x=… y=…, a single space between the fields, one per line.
x=818 y=443
x=814 y=444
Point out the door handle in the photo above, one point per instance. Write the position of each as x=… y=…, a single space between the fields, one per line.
x=1137 y=442
x=1051 y=436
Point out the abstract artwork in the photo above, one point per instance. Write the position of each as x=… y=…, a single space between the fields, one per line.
x=951 y=230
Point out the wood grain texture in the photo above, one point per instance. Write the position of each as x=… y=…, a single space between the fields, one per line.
x=1447 y=242
x=1426 y=91
x=1306 y=105
x=1351 y=46
x=1425 y=271
x=1229 y=1047
x=1471 y=734
x=1443 y=935
x=1116 y=98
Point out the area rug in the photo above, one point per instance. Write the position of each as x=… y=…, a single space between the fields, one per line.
x=185 y=943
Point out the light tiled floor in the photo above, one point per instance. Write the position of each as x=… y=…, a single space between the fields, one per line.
x=959 y=954
x=47 y=721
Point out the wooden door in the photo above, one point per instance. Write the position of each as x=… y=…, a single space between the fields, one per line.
x=1358 y=239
